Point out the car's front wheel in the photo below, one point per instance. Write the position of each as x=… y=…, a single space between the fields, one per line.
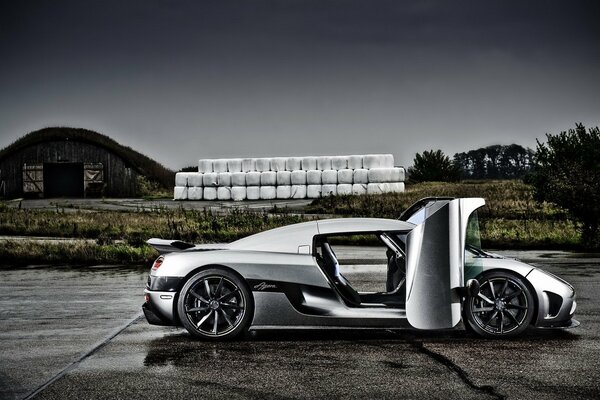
x=504 y=306
x=215 y=304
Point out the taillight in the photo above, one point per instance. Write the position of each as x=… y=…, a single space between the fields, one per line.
x=157 y=263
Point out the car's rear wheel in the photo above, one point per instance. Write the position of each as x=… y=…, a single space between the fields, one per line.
x=504 y=306
x=215 y=304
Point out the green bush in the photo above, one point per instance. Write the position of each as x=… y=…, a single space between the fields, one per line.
x=433 y=166
x=567 y=173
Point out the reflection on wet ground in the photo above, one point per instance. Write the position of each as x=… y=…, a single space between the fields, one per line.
x=177 y=349
x=51 y=316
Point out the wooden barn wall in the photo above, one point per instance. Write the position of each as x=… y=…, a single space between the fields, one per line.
x=119 y=178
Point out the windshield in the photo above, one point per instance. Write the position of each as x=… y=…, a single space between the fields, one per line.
x=473 y=252
x=473 y=239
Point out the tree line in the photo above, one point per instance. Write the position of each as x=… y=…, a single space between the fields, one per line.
x=565 y=171
x=492 y=162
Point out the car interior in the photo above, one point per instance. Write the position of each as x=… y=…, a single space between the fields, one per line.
x=394 y=295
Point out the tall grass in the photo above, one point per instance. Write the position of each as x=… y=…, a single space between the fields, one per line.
x=510 y=219
x=137 y=226
x=25 y=252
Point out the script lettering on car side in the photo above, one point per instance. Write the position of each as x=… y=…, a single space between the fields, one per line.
x=264 y=286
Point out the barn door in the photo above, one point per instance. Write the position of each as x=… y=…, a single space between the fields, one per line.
x=33 y=179
x=93 y=179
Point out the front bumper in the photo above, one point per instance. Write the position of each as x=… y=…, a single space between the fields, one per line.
x=557 y=301
x=572 y=323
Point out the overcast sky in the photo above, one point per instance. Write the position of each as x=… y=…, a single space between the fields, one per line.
x=182 y=80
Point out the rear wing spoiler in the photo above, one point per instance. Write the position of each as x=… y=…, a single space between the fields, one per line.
x=165 y=246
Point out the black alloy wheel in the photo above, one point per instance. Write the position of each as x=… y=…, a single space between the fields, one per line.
x=504 y=306
x=215 y=304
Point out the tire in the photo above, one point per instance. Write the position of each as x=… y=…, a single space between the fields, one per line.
x=504 y=307
x=215 y=304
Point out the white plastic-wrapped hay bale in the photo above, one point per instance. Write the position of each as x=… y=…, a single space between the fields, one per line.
x=253 y=178
x=396 y=187
x=253 y=192
x=345 y=176
x=278 y=164
x=205 y=165
x=284 y=178
x=324 y=163
x=361 y=176
x=359 y=188
x=339 y=162
x=397 y=174
x=180 y=193
x=238 y=193
x=268 y=178
x=313 y=191
x=268 y=192
x=328 y=190
x=224 y=179
x=309 y=163
x=210 y=179
x=376 y=188
x=386 y=187
x=298 y=177
x=293 y=164
x=194 y=193
x=313 y=177
x=223 y=193
x=401 y=174
x=329 y=177
x=284 y=192
x=355 y=162
x=195 y=179
x=234 y=165
x=248 y=164
x=181 y=179
x=238 y=179
x=380 y=175
x=298 y=191
x=384 y=175
x=388 y=161
x=210 y=193
x=344 y=189
x=263 y=164
x=374 y=161
x=220 y=165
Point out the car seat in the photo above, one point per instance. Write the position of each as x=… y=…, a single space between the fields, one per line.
x=332 y=269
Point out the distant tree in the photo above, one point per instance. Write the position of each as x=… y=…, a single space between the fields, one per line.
x=495 y=162
x=433 y=166
x=567 y=173
x=192 y=168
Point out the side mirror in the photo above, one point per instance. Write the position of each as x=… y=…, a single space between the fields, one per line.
x=472 y=287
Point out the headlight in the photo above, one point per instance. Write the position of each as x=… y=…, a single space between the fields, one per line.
x=561 y=280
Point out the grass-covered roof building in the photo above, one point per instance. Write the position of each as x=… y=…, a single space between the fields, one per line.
x=72 y=162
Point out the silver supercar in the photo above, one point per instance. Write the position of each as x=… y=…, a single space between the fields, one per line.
x=434 y=274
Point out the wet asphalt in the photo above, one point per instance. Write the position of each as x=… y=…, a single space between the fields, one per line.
x=77 y=333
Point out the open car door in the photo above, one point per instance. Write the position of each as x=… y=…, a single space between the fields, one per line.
x=435 y=251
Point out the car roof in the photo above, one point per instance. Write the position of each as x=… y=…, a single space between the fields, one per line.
x=349 y=225
x=288 y=239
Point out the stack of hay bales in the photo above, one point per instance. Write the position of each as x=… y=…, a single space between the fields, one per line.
x=289 y=178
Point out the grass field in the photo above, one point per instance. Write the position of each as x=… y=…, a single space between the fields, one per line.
x=511 y=219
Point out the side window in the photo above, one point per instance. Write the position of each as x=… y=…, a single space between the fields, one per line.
x=370 y=262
